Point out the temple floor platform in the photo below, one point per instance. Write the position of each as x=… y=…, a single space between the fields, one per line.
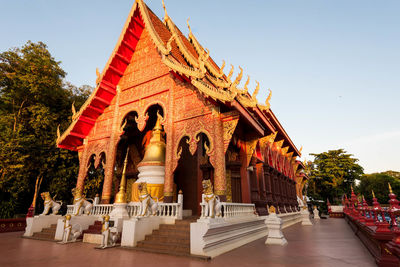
x=328 y=242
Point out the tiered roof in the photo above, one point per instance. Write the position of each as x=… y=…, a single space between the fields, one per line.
x=184 y=56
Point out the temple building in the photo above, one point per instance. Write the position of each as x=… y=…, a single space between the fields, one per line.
x=162 y=101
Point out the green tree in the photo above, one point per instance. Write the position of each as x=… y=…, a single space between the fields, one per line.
x=34 y=99
x=331 y=174
x=378 y=182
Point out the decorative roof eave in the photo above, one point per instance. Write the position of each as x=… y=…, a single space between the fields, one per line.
x=282 y=131
x=181 y=46
x=218 y=82
x=200 y=50
x=152 y=31
x=102 y=83
x=180 y=68
x=214 y=93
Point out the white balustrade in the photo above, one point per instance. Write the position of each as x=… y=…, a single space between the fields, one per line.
x=233 y=210
x=101 y=209
x=172 y=210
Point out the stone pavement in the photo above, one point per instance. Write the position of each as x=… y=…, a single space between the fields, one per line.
x=327 y=243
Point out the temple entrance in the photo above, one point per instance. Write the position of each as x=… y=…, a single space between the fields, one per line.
x=186 y=177
x=191 y=170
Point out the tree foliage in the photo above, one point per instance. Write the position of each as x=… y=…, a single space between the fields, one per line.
x=378 y=182
x=331 y=174
x=34 y=99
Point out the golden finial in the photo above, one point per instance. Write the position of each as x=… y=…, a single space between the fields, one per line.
x=97 y=76
x=68 y=217
x=255 y=93
x=190 y=30
x=231 y=72
x=351 y=186
x=239 y=77
x=390 y=189
x=58 y=132
x=180 y=192
x=247 y=83
x=272 y=209
x=221 y=70
x=165 y=10
x=73 y=110
x=268 y=98
x=373 y=194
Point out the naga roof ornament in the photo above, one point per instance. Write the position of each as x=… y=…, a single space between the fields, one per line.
x=255 y=93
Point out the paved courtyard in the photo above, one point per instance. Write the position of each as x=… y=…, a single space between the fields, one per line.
x=328 y=243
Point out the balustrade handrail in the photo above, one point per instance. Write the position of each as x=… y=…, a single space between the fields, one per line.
x=230 y=210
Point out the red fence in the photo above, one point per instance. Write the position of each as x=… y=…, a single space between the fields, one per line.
x=12 y=225
x=376 y=227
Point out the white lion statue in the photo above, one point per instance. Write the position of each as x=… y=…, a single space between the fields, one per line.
x=81 y=205
x=147 y=205
x=49 y=203
x=211 y=202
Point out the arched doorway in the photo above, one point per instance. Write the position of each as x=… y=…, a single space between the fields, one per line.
x=191 y=170
x=136 y=141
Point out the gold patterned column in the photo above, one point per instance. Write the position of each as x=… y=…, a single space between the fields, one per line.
x=111 y=153
x=82 y=167
x=218 y=159
x=169 y=153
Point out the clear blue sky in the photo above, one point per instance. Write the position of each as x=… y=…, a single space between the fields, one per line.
x=333 y=66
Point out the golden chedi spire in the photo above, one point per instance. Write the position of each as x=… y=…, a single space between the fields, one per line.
x=155 y=150
x=120 y=197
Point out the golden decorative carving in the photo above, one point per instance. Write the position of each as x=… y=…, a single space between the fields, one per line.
x=230 y=73
x=180 y=68
x=255 y=93
x=250 y=148
x=218 y=82
x=150 y=28
x=214 y=93
x=237 y=80
x=229 y=128
x=182 y=48
x=141 y=121
x=284 y=150
x=246 y=89
x=200 y=50
x=246 y=100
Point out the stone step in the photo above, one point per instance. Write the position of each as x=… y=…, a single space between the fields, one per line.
x=175 y=247
x=160 y=251
x=41 y=235
x=49 y=230
x=172 y=233
x=168 y=240
x=174 y=227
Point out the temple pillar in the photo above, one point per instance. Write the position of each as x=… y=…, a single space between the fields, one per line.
x=244 y=174
x=83 y=166
x=218 y=160
x=170 y=161
x=261 y=181
x=111 y=153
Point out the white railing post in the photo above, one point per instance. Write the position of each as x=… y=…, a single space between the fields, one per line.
x=179 y=214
